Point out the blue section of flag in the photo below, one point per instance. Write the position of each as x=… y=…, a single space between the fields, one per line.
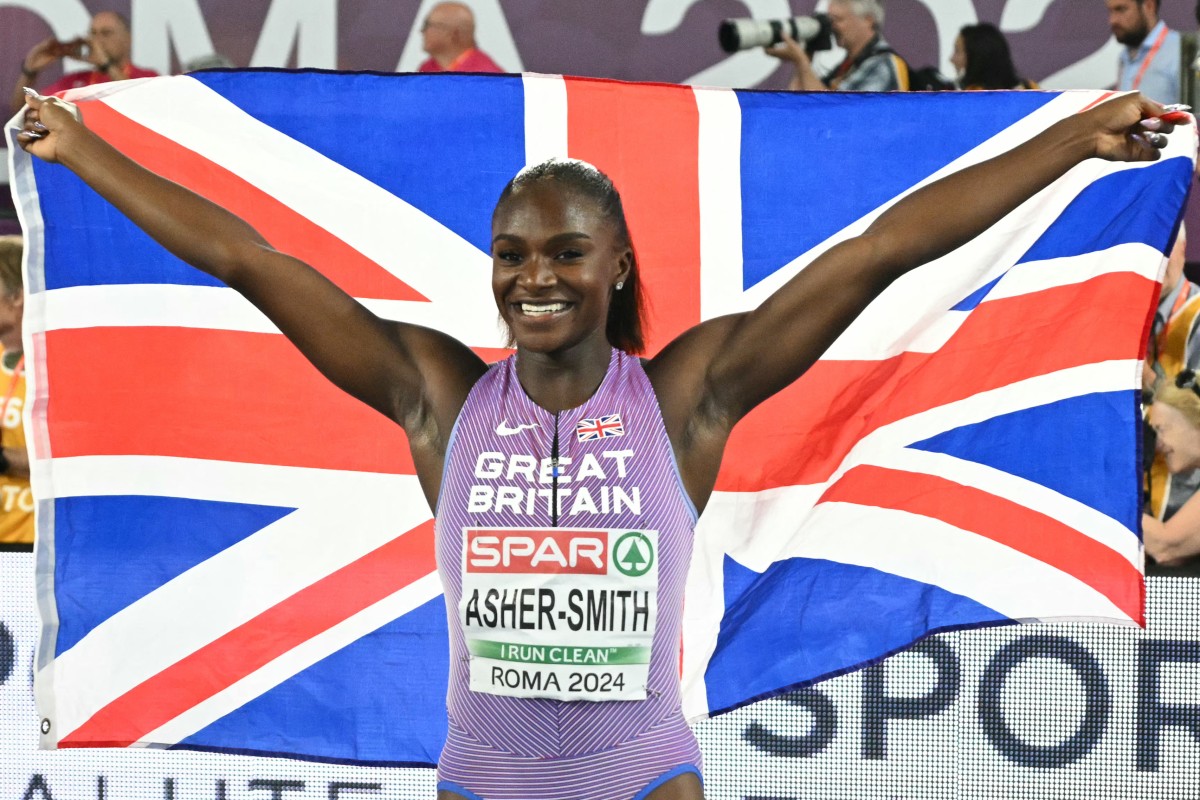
x=1048 y=445
x=467 y=128
x=814 y=163
x=90 y=243
x=95 y=537
x=1139 y=205
x=976 y=297
x=379 y=699
x=798 y=611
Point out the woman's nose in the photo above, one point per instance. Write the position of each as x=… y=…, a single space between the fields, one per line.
x=537 y=272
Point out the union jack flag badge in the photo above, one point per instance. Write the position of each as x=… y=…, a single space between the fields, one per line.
x=587 y=430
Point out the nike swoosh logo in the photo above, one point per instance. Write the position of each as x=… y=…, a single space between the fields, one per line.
x=503 y=430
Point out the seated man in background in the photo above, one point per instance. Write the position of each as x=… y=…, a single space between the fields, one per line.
x=1174 y=346
x=870 y=65
x=1174 y=544
x=106 y=48
x=16 y=500
x=449 y=38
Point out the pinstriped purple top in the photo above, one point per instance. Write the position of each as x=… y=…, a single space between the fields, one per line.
x=511 y=748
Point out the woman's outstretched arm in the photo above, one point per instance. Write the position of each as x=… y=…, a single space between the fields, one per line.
x=715 y=373
x=414 y=375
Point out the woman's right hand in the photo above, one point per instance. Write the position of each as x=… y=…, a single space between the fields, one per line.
x=47 y=121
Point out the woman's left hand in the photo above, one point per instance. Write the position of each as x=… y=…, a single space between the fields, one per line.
x=1127 y=128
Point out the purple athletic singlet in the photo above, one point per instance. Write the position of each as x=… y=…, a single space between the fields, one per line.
x=563 y=544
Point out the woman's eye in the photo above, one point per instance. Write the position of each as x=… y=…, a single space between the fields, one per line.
x=570 y=255
x=508 y=256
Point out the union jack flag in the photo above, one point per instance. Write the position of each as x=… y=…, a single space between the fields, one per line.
x=234 y=555
x=602 y=427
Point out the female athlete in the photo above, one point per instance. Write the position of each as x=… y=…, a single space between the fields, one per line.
x=567 y=479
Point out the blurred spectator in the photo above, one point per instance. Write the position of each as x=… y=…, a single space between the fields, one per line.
x=870 y=65
x=1150 y=60
x=929 y=79
x=449 y=37
x=16 y=500
x=1174 y=544
x=210 y=61
x=983 y=60
x=106 y=48
x=1174 y=346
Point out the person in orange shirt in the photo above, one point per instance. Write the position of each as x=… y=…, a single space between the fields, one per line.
x=16 y=499
x=449 y=39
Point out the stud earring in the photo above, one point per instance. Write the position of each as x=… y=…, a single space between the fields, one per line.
x=620 y=285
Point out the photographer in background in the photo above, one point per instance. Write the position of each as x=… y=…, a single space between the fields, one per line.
x=870 y=65
x=106 y=48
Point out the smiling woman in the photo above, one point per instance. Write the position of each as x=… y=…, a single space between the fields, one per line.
x=567 y=479
x=526 y=232
x=1175 y=417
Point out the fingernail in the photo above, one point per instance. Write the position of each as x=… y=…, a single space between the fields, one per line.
x=30 y=92
x=1152 y=124
x=40 y=126
x=1156 y=139
x=1177 y=107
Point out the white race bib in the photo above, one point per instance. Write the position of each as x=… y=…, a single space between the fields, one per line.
x=559 y=613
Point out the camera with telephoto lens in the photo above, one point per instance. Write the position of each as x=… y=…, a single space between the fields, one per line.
x=743 y=34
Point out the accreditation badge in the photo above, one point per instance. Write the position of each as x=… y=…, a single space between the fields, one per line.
x=559 y=613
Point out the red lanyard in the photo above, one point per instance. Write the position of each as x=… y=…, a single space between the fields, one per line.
x=18 y=371
x=1137 y=80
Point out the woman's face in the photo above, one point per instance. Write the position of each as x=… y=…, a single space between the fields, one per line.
x=959 y=57
x=1178 y=440
x=555 y=262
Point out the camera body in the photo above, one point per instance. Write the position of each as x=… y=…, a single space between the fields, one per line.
x=75 y=48
x=744 y=34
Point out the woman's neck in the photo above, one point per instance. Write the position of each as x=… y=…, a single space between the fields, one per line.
x=563 y=380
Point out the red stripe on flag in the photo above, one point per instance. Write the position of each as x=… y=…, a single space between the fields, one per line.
x=209 y=394
x=274 y=632
x=283 y=227
x=837 y=403
x=1003 y=521
x=219 y=395
x=1097 y=101
x=622 y=133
